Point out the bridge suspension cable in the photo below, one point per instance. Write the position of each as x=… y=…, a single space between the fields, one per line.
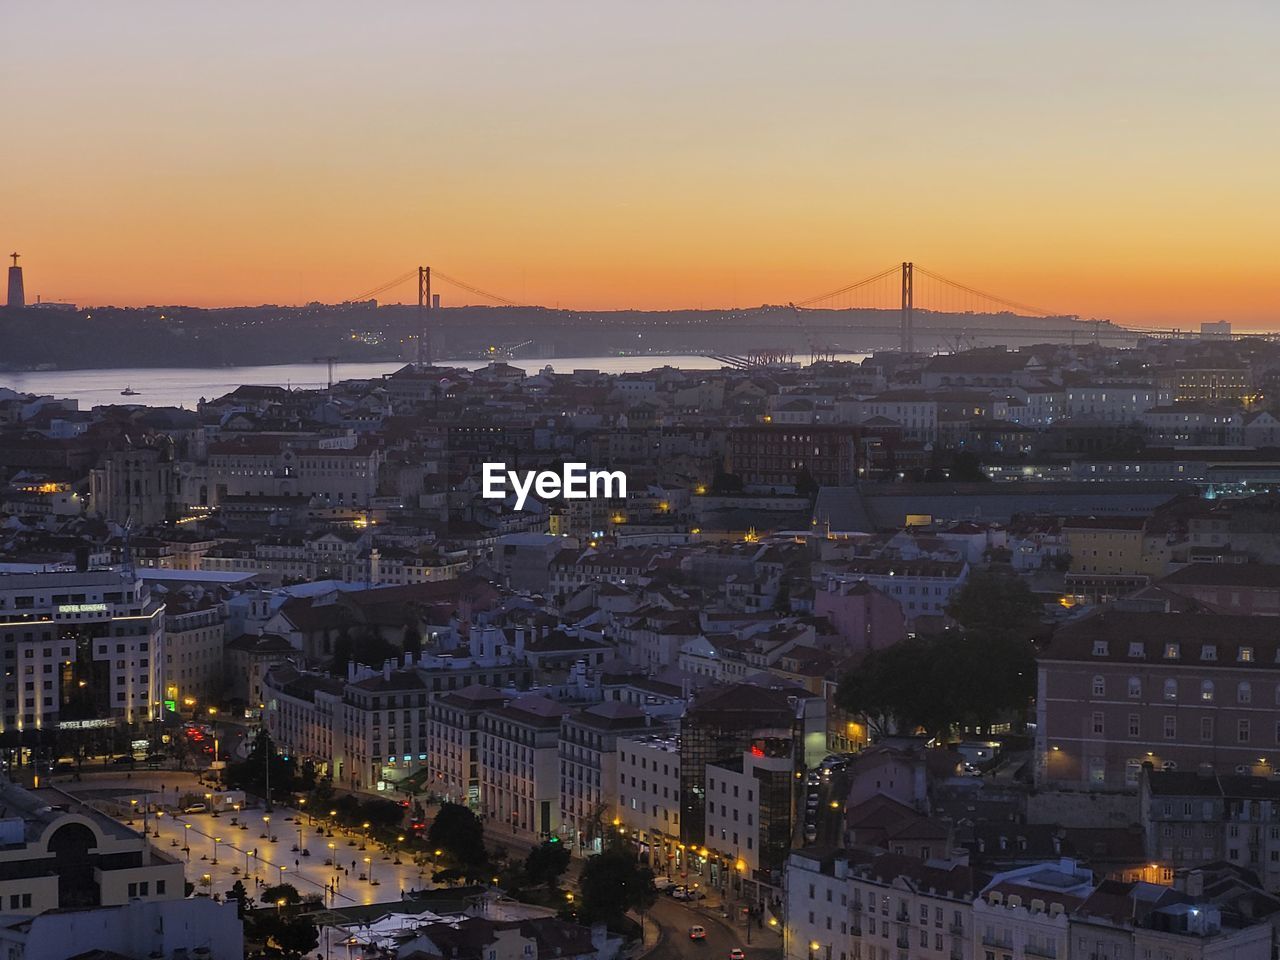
x=1013 y=305
x=848 y=288
x=453 y=281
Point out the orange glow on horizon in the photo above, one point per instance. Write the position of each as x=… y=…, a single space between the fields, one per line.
x=1101 y=162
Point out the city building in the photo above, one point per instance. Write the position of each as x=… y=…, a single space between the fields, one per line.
x=520 y=766
x=1118 y=689
x=78 y=645
x=589 y=788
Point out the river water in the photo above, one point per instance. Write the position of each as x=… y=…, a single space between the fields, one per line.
x=184 y=386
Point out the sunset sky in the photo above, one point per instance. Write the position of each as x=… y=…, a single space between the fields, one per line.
x=1108 y=159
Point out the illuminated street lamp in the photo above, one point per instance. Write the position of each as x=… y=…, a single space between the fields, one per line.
x=186 y=841
x=216 y=841
x=368 y=870
x=364 y=844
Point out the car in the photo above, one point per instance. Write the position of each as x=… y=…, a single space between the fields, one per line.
x=737 y=953
x=122 y=760
x=680 y=892
x=156 y=758
x=697 y=932
x=194 y=808
x=663 y=883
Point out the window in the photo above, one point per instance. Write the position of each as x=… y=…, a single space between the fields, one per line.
x=1208 y=652
x=1206 y=728
x=1244 y=693
x=1170 y=727
x=1245 y=654
x=1135 y=725
x=1242 y=731
x=1099 y=648
x=1099 y=687
x=1132 y=770
x=1206 y=690
x=1171 y=651
x=1137 y=649
x=1098 y=725
x=1135 y=687
x=1171 y=690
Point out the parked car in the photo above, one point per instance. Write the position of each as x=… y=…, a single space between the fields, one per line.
x=195 y=808
x=663 y=883
x=697 y=932
x=737 y=954
x=122 y=760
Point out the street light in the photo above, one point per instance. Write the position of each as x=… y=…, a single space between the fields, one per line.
x=133 y=805
x=364 y=845
x=368 y=869
x=333 y=853
x=399 y=840
x=266 y=827
x=186 y=841
x=216 y=841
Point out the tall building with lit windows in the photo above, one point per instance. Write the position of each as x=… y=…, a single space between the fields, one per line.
x=1184 y=692
x=78 y=646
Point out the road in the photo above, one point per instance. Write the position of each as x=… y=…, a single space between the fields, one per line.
x=675 y=918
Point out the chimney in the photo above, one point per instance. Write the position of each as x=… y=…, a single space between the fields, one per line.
x=386 y=669
x=1195 y=884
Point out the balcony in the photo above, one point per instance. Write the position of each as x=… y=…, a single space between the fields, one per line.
x=957 y=929
x=1048 y=950
x=999 y=942
x=904 y=941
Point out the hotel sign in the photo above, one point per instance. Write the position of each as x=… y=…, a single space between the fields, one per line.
x=86 y=724
x=82 y=608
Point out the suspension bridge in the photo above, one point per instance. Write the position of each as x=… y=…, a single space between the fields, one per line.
x=902 y=302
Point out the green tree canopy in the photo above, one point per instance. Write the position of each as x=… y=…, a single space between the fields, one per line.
x=459 y=834
x=547 y=863
x=613 y=882
x=996 y=605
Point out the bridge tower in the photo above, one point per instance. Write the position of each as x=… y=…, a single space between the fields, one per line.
x=908 y=307
x=424 y=304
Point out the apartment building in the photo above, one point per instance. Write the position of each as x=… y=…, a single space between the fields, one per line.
x=303 y=713
x=922 y=588
x=519 y=765
x=1118 y=689
x=589 y=770
x=453 y=741
x=193 y=649
x=649 y=796
x=1190 y=818
x=384 y=725
x=866 y=905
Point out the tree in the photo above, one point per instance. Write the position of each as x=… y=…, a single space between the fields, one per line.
x=973 y=677
x=459 y=834
x=287 y=892
x=613 y=882
x=996 y=605
x=240 y=895
x=547 y=863
x=251 y=774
